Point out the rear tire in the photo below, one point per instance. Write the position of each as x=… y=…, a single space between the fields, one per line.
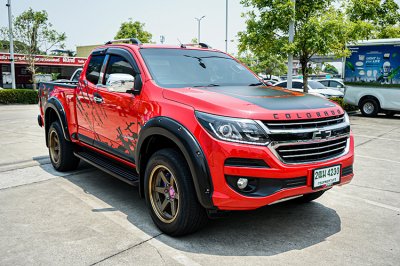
x=171 y=196
x=369 y=107
x=310 y=197
x=61 y=151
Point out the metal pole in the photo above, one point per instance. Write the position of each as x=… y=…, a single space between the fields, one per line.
x=11 y=45
x=290 y=57
x=198 y=31
x=198 y=28
x=226 y=27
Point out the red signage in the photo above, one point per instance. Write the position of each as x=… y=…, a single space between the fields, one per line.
x=44 y=60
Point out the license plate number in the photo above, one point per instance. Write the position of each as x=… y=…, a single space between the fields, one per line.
x=325 y=177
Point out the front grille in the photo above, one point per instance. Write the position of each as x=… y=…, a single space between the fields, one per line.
x=311 y=151
x=304 y=124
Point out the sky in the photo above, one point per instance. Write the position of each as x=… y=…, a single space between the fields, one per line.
x=88 y=22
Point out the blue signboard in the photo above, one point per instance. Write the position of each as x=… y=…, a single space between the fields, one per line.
x=373 y=64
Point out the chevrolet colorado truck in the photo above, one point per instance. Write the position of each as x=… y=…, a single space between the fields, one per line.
x=195 y=131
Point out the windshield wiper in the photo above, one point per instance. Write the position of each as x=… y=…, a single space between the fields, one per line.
x=256 y=84
x=209 y=85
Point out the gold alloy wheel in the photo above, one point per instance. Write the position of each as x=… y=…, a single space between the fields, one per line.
x=164 y=194
x=54 y=144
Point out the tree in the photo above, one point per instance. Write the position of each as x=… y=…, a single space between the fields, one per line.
x=273 y=65
x=383 y=16
x=133 y=29
x=320 y=28
x=33 y=29
x=331 y=69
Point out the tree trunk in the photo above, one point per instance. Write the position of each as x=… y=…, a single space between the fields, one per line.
x=304 y=72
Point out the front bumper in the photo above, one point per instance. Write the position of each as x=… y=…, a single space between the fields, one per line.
x=226 y=198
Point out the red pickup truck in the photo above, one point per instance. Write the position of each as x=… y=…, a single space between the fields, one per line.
x=196 y=131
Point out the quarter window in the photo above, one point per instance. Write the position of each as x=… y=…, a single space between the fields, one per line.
x=94 y=68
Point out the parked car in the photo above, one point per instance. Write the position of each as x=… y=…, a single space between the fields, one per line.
x=372 y=101
x=335 y=84
x=195 y=131
x=314 y=87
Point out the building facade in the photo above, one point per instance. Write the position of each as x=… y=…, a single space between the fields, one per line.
x=61 y=67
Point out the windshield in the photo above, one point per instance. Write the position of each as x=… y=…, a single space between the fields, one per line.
x=316 y=85
x=178 y=68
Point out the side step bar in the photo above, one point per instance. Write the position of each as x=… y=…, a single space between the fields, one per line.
x=110 y=166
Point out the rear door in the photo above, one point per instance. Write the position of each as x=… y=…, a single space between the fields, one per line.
x=86 y=113
x=116 y=131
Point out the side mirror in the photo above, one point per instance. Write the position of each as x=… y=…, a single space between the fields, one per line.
x=120 y=82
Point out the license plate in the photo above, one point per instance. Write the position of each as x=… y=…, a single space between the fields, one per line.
x=325 y=177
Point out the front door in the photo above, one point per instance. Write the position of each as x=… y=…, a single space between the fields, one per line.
x=85 y=112
x=116 y=131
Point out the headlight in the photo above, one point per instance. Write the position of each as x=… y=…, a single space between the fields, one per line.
x=233 y=129
x=346 y=118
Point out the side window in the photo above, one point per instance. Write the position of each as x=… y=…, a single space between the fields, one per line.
x=118 y=64
x=297 y=85
x=94 y=67
x=283 y=85
x=335 y=84
x=325 y=83
x=77 y=75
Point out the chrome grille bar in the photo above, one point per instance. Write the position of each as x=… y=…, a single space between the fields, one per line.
x=311 y=154
x=315 y=148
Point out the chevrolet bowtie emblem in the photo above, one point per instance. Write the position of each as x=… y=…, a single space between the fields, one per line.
x=322 y=134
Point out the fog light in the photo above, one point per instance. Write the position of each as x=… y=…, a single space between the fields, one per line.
x=242 y=183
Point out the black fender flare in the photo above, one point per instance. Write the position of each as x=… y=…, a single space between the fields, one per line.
x=190 y=149
x=55 y=105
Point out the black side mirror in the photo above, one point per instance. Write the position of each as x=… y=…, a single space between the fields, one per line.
x=137 y=86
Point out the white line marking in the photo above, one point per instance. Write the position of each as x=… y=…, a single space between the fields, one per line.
x=379 y=159
x=371 y=137
x=371 y=202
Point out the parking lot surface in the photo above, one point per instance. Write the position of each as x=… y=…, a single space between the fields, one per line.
x=87 y=217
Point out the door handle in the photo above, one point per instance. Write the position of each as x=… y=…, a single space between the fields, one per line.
x=97 y=98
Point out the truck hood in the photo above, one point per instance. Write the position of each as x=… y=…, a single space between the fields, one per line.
x=264 y=103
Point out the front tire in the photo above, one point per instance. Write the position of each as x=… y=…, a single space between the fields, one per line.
x=369 y=107
x=170 y=194
x=61 y=151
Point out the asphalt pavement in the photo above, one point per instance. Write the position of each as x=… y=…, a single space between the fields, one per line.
x=87 y=217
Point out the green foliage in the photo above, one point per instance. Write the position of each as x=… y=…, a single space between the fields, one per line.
x=133 y=29
x=24 y=96
x=331 y=69
x=382 y=17
x=347 y=107
x=320 y=28
x=271 y=65
x=19 y=47
x=55 y=76
x=33 y=29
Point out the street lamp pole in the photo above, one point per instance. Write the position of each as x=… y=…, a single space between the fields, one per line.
x=290 y=57
x=226 y=26
x=198 y=27
x=11 y=45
